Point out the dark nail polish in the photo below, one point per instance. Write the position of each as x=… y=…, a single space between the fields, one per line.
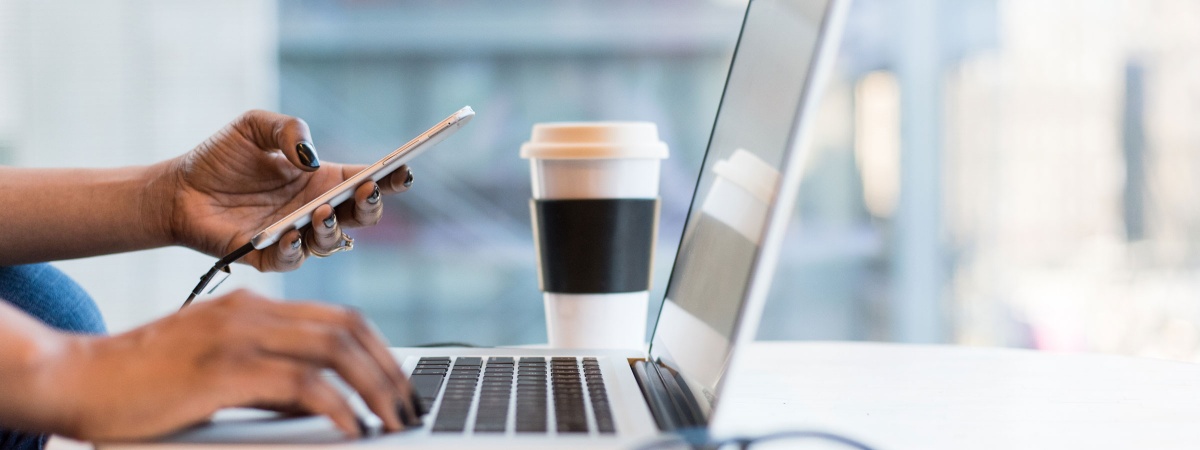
x=362 y=427
x=296 y=243
x=308 y=155
x=408 y=181
x=402 y=413
x=374 y=197
x=330 y=221
x=418 y=404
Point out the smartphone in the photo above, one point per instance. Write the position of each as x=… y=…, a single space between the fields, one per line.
x=375 y=172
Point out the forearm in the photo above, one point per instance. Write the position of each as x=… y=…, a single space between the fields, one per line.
x=31 y=397
x=53 y=214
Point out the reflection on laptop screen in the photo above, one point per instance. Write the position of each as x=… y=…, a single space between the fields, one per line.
x=737 y=185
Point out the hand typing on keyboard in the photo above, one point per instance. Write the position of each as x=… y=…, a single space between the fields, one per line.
x=238 y=350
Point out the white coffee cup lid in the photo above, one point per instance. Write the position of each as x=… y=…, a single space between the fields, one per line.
x=594 y=140
x=750 y=173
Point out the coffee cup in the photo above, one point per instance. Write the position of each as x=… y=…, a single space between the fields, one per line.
x=595 y=214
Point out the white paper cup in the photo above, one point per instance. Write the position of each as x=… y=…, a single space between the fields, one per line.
x=588 y=252
x=744 y=188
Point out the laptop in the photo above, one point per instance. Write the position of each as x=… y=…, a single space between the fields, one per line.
x=531 y=398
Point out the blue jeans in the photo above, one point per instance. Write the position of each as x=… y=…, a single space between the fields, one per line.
x=51 y=296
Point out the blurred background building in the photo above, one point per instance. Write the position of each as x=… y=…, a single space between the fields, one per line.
x=987 y=172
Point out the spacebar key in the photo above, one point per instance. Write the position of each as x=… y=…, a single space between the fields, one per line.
x=426 y=385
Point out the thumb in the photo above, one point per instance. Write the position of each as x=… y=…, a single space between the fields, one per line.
x=271 y=131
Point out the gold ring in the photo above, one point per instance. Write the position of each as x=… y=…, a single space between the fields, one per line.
x=345 y=243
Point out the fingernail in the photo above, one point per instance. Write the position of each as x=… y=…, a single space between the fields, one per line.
x=296 y=244
x=374 y=197
x=408 y=181
x=308 y=155
x=329 y=222
x=402 y=413
x=362 y=427
x=418 y=403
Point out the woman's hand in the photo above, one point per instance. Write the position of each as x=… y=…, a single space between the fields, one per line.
x=237 y=350
x=255 y=171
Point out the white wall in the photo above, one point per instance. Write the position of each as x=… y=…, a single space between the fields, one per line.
x=121 y=82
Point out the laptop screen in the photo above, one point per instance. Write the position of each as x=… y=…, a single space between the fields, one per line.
x=737 y=187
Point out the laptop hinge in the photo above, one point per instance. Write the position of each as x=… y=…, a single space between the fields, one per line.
x=671 y=401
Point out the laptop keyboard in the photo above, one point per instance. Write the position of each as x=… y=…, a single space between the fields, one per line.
x=551 y=395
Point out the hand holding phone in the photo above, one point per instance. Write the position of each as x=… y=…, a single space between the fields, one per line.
x=382 y=168
x=339 y=194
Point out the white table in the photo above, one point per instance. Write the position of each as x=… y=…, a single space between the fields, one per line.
x=942 y=397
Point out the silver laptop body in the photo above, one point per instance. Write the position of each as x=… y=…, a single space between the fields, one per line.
x=739 y=213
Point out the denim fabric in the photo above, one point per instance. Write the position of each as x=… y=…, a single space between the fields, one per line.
x=50 y=295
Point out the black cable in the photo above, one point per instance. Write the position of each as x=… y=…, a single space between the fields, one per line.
x=222 y=265
x=697 y=438
x=745 y=442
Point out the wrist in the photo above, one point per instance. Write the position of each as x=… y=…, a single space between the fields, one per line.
x=159 y=201
x=88 y=383
x=65 y=378
x=41 y=377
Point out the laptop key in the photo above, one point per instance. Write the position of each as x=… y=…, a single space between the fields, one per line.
x=494 y=398
x=427 y=385
x=449 y=426
x=489 y=427
x=605 y=427
x=486 y=386
x=600 y=408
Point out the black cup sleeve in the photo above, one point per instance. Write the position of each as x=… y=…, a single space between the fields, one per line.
x=595 y=246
